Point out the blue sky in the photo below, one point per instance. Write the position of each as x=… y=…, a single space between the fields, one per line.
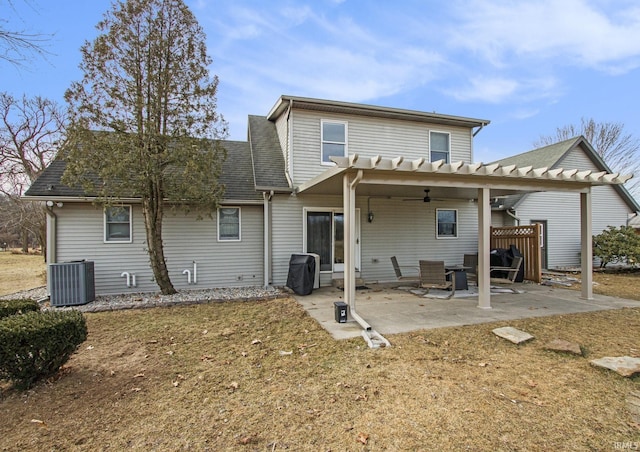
x=527 y=66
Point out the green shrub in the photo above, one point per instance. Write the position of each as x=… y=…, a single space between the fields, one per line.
x=617 y=245
x=11 y=307
x=38 y=343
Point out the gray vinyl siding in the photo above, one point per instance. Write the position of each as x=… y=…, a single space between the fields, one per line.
x=402 y=229
x=407 y=230
x=562 y=212
x=368 y=137
x=219 y=264
x=283 y=135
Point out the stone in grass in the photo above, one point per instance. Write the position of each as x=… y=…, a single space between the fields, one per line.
x=626 y=366
x=633 y=405
x=560 y=345
x=512 y=334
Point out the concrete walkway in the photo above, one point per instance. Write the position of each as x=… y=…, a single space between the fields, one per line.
x=390 y=310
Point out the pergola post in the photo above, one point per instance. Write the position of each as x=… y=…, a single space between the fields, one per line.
x=586 y=252
x=484 y=239
x=349 y=183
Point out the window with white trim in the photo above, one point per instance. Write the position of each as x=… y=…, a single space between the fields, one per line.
x=229 y=224
x=446 y=223
x=439 y=146
x=117 y=224
x=334 y=141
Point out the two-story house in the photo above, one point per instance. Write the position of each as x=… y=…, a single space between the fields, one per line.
x=352 y=183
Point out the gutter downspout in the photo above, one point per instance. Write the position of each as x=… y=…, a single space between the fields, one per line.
x=349 y=273
x=266 y=198
x=52 y=242
x=513 y=215
x=289 y=172
x=371 y=336
x=478 y=131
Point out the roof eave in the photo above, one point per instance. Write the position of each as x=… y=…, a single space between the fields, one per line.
x=371 y=110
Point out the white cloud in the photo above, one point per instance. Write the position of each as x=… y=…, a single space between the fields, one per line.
x=505 y=33
x=500 y=89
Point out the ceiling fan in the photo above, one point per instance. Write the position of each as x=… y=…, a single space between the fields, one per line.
x=426 y=197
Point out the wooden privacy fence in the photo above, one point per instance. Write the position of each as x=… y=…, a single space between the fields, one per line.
x=527 y=239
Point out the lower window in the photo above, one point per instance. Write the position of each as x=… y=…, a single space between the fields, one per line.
x=117 y=224
x=229 y=224
x=447 y=223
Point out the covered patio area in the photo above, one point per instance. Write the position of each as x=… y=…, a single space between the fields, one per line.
x=392 y=310
x=377 y=176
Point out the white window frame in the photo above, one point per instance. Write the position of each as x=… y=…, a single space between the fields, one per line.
x=457 y=223
x=431 y=132
x=105 y=236
x=322 y=140
x=223 y=239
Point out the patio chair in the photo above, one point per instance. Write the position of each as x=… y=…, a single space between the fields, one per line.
x=511 y=272
x=409 y=278
x=470 y=262
x=434 y=276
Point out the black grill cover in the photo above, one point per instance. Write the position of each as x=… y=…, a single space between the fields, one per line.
x=302 y=271
x=502 y=257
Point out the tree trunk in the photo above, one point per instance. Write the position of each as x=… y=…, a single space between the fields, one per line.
x=25 y=241
x=153 y=212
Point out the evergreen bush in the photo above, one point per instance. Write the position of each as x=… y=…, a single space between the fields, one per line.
x=21 y=306
x=36 y=344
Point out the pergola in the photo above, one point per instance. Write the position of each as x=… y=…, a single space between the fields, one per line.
x=377 y=176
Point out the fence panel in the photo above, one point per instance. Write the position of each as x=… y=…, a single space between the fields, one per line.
x=527 y=239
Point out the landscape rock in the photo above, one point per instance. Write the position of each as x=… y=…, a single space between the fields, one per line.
x=633 y=405
x=560 y=345
x=512 y=334
x=626 y=366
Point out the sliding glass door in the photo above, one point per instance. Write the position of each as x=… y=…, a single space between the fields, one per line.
x=325 y=236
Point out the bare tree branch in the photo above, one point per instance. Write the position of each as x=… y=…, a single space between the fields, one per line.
x=619 y=150
x=30 y=132
x=17 y=45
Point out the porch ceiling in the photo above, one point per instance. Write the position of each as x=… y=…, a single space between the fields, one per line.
x=398 y=177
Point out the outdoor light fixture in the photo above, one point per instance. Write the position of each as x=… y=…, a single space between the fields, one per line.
x=370 y=217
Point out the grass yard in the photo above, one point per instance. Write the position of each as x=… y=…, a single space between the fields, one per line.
x=264 y=376
x=21 y=271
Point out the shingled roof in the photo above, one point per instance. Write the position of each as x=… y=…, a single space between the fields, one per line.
x=551 y=157
x=244 y=171
x=268 y=159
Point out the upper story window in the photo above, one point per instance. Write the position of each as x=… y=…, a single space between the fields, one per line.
x=439 y=146
x=334 y=140
x=117 y=224
x=229 y=224
x=447 y=223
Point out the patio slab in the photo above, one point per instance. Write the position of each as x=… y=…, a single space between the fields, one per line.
x=390 y=310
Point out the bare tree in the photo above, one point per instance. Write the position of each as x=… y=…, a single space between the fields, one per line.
x=147 y=106
x=619 y=150
x=17 y=45
x=23 y=223
x=30 y=131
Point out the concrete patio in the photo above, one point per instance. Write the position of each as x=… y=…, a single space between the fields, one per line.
x=391 y=309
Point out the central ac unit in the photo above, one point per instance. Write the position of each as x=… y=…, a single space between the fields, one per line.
x=72 y=283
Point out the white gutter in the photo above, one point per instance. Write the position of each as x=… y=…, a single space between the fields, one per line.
x=513 y=215
x=349 y=273
x=52 y=242
x=266 y=197
x=371 y=336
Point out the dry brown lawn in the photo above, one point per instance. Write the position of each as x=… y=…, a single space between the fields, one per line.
x=265 y=376
x=20 y=271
